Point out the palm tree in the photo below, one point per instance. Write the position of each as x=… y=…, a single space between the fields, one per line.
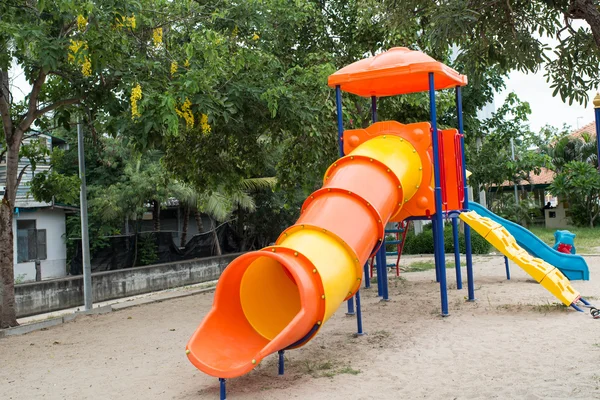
x=218 y=204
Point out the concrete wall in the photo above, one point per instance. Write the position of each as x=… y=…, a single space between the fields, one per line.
x=53 y=221
x=58 y=294
x=556 y=218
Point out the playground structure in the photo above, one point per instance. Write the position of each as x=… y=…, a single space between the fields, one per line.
x=278 y=298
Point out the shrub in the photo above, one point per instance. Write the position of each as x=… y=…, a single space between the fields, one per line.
x=423 y=243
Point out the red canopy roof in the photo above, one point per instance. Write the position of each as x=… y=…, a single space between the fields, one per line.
x=396 y=71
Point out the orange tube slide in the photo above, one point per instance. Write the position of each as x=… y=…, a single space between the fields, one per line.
x=279 y=297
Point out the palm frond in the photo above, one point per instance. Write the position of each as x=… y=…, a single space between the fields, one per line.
x=255 y=184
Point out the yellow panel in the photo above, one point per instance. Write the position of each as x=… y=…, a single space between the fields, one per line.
x=559 y=286
x=537 y=268
x=503 y=241
x=399 y=155
x=269 y=297
x=480 y=224
x=334 y=264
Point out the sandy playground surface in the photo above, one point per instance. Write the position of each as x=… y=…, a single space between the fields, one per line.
x=514 y=343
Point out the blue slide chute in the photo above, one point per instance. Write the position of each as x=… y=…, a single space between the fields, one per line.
x=572 y=266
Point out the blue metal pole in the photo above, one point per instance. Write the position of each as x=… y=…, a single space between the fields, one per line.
x=597 y=115
x=367 y=277
x=340 y=119
x=438 y=217
x=456 y=253
x=468 y=251
x=281 y=362
x=222 y=389
x=507 y=268
x=350 y=306
x=378 y=263
x=374 y=109
x=359 y=327
x=435 y=252
x=384 y=280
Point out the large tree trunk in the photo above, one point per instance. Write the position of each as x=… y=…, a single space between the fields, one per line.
x=156 y=215
x=7 y=273
x=186 y=218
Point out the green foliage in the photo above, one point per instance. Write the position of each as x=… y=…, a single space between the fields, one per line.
x=423 y=242
x=147 y=249
x=579 y=185
x=492 y=164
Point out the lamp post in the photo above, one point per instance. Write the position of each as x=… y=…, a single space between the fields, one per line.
x=596 y=102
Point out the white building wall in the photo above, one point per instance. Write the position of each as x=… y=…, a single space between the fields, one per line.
x=55 y=265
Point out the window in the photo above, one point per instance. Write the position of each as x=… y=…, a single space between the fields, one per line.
x=31 y=242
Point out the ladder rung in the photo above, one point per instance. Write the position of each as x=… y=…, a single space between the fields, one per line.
x=393 y=241
x=392 y=253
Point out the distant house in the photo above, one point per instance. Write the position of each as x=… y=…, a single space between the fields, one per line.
x=38 y=227
x=537 y=184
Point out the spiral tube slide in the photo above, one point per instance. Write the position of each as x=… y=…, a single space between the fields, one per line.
x=278 y=297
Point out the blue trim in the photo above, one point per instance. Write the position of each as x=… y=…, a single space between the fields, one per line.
x=378 y=263
x=438 y=217
x=359 y=327
x=340 y=119
x=350 y=306
x=305 y=339
x=374 y=108
x=456 y=254
x=468 y=250
x=435 y=252
x=383 y=269
x=281 y=362
x=222 y=389
x=367 y=276
x=584 y=301
x=507 y=268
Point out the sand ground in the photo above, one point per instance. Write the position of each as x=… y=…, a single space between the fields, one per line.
x=513 y=343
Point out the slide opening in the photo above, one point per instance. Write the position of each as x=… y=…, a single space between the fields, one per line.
x=269 y=296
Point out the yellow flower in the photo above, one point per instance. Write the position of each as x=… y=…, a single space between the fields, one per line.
x=204 y=124
x=136 y=94
x=86 y=67
x=186 y=63
x=186 y=113
x=75 y=47
x=81 y=22
x=173 y=67
x=130 y=21
x=157 y=36
x=255 y=37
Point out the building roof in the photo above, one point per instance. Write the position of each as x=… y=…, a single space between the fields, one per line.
x=396 y=71
x=589 y=128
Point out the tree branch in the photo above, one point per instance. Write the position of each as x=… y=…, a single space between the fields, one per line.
x=33 y=99
x=21 y=175
x=53 y=106
x=588 y=11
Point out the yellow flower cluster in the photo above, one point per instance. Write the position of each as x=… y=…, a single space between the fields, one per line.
x=255 y=37
x=186 y=63
x=75 y=47
x=136 y=94
x=157 y=36
x=127 y=21
x=86 y=67
x=204 y=124
x=81 y=23
x=173 y=67
x=186 y=113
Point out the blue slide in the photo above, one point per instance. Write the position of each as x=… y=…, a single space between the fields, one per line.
x=572 y=266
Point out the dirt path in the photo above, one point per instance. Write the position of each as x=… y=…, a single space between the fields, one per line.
x=511 y=344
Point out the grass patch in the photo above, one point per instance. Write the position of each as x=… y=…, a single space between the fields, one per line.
x=586 y=241
x=549 y=307
x=327 y=369
x=419 y=266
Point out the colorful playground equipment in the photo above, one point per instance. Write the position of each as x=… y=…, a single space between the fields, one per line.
x=278 y=298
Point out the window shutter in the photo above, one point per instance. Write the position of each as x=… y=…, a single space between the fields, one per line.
x=41 y=244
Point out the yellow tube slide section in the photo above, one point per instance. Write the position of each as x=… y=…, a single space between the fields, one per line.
x=279 y=297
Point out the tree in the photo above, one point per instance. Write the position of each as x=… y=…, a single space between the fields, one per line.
x=512 y=35
x=98 y=55
x=579 y=184
x=569 y=148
